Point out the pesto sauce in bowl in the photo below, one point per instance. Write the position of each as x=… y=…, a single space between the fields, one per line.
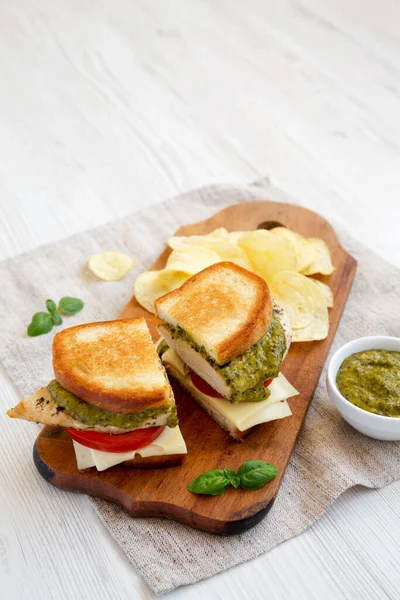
x=371 y=381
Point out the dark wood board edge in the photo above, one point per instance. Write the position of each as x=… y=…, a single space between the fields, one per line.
x=100 y=489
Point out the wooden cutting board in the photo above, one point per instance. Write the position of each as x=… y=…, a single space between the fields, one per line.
x=163 y=492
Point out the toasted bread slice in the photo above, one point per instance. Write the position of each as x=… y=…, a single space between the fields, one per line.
x=41 y=408
x=224 y=308
x=112 y=365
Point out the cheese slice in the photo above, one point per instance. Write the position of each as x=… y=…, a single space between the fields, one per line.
x=243 y=421
x=244 y=414
x=169 y=442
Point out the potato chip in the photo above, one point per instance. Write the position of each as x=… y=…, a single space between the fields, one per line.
x=230 y=252
x=191 y=259
x=319 y=326
x=305 y=304
x=110 y=266
x=234 y=236
x=322 y=262
x=269 y=253
x=316 y=330
x=325 y=289
x=220 y=233
x=151 y=285
x=178 y=241
x=224 y=250
x=305 y=253
x=292 y=292
x=280 y=256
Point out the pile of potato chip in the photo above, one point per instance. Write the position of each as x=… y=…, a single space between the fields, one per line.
x=283 y=258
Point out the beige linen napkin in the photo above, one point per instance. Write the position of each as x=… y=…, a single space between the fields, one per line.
x=329 y=457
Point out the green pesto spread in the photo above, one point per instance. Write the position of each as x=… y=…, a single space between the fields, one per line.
x=245 y=374
x=162 y=347
x=371 y=381
x=91 y=415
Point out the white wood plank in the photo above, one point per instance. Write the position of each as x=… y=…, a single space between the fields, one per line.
x=108 y=107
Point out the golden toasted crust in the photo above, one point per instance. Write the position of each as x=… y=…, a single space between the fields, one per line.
x=112 y=365
x=224 y=308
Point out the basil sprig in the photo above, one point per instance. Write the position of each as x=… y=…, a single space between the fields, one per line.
x=214 y=482
x=42 y=322
x=51 y=306
x=252 y=475
x=70 y=306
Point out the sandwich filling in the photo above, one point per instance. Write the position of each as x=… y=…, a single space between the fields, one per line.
x=92 y=416
x=243 y=415
x=169 y=443
x=111 y=394
x=244 y=374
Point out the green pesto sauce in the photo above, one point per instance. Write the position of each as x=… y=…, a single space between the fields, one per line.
x=245 y=374
x=91 y=415
x=162 y=347
x=371 y=381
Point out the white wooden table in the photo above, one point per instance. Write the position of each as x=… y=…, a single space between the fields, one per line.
x=109 y=106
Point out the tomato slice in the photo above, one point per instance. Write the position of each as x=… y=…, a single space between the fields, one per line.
x=204 y=388
x=124 y=442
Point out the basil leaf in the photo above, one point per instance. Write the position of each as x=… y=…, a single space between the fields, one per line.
x=234 y=479
x=213 y=483
x=51 y=306
x=56 y=318
x=41 y=323
x=254 y=474
x=70 y=306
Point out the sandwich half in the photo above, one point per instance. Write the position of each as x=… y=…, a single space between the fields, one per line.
x=224 y=340
x=112 y=394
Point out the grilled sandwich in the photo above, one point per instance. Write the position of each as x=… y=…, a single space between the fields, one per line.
x=224 y=340
x=112 y=394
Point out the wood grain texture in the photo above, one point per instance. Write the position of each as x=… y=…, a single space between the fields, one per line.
x=109 y=107
x=163 y=493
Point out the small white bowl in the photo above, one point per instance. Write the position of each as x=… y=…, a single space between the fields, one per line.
x=374 y=426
